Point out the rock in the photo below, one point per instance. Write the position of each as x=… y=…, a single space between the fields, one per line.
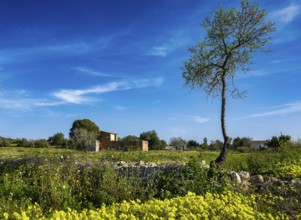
x=278 y=183
x=121 y=163
x=152 y=164
x=203 y=164
x=295 y=183
x=234 y=176
x=269 y=179
x=246 y=185
x=257 y=179
x=244 y=176
x=140 y=163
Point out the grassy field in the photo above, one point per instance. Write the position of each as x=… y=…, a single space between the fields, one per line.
x=44 y=183
x=130 y=156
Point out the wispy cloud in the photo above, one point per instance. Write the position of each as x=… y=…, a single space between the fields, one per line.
x=200 y=119
x=119 y=107
x=286 y=15
x=58 y=50
x=279 y=111
x=193 y=118
x=78 y=96
x=22 y=100
x=177 y=39
x=89 y=71
x=26 y=103
x=157 y=51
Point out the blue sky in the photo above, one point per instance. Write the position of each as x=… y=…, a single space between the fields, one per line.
x=119 y=64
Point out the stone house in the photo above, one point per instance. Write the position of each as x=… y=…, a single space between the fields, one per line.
x=259 y=144
x=110 y=141
x=106 y=140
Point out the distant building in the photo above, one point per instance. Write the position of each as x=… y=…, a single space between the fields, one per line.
x=106 y=139
x=110 y=141
x=259 y=144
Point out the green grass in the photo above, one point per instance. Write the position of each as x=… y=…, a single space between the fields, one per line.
x=56 y=183
x=131 y=156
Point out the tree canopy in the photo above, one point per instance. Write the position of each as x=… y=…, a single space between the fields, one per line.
x=58 y=140
x=178 y=142
x=154 y=142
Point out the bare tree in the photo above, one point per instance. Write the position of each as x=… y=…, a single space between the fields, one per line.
x=233 y=37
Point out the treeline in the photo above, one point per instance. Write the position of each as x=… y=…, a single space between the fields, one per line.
x=84 y=133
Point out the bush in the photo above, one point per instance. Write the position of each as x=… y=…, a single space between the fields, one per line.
x=24 y=143
x=4 y=142
x=42 y=143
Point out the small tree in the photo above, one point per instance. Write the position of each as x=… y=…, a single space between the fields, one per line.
x=216 y=145
x=154 y=142
x=205 y=143
x=58 y=140
x=192 y=144
x=277 y=142
x=178 y=142
x=131 y=142
x=83 y=134
x=241 y=142
x=41 y=143
x=83 y=139
x=4 y=142
x=24 y=143
x=233 y=36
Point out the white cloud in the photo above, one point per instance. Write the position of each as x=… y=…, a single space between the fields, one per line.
x=89 y=71
x=158 y=51
x=50 y=50
x=194 y=118
x=287 y=15
x=23 y=100
x=200 y=119
x=25 y=103
x=280 y=111
x=78 y=96
x=119 y=107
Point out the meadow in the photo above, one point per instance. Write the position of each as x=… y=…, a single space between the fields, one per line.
x=53 y=183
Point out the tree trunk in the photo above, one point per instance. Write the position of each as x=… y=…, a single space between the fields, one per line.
x=223 y=155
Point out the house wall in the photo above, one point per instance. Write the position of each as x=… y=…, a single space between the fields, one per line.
x=113 y=137
x=105 y=140
x=97 y=145
x=144 y=145
x=110 y=141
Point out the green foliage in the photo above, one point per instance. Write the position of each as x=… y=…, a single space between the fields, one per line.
x=178 y=142
x=4 y=142
x=61 y=179
x=58 y=140
x=241 y=142
x=83 y=140
x=215 y=145
x=83 y=134
x=131 y=142
x=226 y=205
x=154 y=142
x=191 y=177
x=192 y=144
x=42 y=143
x=25 y=143
x=281 y=141
x=232 y=38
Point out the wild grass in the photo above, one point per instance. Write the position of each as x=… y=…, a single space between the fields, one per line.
x=58 y=179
